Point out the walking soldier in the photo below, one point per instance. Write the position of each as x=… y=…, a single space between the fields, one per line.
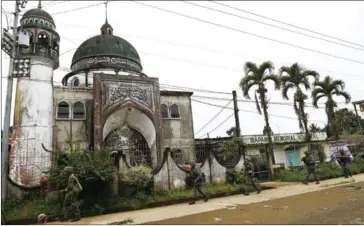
x=197 y=179
x=70 y=203
x=311 y=167
x=249 y=177
x=344 y=161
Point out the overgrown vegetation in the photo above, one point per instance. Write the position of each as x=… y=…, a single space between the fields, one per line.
x=139 y=180
x=92 y=168
x=325 y=171
x=97 y=206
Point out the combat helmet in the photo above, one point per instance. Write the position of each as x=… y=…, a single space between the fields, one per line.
x=68 y=169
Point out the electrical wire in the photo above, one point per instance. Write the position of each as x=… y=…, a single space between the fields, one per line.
x=249 y=33
x=255 y=112
x=272 y=25
x=213 y=117
x=193 y=62
x=72 y=10
x=285 y=23
x=218 y=125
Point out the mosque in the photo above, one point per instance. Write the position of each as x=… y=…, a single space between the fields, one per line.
x=106 y=101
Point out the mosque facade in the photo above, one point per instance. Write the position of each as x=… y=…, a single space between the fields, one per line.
x=105 y=102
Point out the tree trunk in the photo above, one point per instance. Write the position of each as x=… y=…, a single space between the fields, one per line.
x=269 y=150
x=304 y=119
x=330 y=118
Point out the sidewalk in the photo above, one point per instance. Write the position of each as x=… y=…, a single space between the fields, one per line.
x=173 y=211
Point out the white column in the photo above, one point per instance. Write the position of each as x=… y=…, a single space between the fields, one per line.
x=33 y=125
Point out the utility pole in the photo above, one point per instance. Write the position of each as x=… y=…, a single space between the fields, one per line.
x=236 y=112
x=9 y=94
x=357 y=116
x=237 y=124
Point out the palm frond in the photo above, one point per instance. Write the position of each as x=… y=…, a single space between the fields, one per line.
x=316 y=98
x=284 y=69
x=318 y=90
x=267 y=65
x=276 y=80
x=257 y=104
x=250 y=67
x=306 y=83
x=285 y=89
x=246 y=83
x=310 y=73
x=337 y=85
x=346 y=95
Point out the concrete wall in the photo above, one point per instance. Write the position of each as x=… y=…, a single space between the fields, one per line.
x=65 y=126
x=179 y=132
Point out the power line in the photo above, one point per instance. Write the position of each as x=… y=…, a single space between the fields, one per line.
x=218 y=125
x=251 y=34
x=270 y=115
x=193 y=62
x=213 y=117
x=285 y=23
x=272 y=25
x=53 y=3
x=81 y=8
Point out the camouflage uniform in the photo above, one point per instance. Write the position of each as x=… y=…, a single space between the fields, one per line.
x=311 y=167
x=70 y=203
x=249 y=177
x=197 y=178
x=344 y=163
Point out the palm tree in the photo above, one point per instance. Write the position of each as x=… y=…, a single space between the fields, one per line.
x=329 y=88
x=315 y=128
x=231 y=132
x=257 y=76
x=295 y=77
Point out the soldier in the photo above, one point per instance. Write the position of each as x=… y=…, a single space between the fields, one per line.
x=197 y=177
x=70 y=203
x=311 y=167
x=344 y=161
x=249 y=177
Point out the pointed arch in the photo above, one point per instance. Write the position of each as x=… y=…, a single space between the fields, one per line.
x=164 y=111
x=63 y=110
x=174 y=110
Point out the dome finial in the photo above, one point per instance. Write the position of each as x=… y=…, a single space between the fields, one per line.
x=106 y=29
x=40 y=4
x=106 y=11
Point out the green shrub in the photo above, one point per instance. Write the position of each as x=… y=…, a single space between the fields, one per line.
x=139 y=178
x=324 y=171
x=92 y=168
x=22 y=210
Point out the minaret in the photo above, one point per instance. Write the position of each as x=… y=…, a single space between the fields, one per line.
x=33 y=113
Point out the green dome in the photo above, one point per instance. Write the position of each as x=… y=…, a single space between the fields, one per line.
x=108 y=46
x=38 y=13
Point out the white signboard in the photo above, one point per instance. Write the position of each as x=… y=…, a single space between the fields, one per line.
x=335 y=150
x=282 y=138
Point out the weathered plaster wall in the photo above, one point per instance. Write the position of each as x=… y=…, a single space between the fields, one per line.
x=78 y=126
x=33 y=125
x=179 y=133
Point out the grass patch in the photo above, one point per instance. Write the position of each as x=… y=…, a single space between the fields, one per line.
x=16 y=210
x=325 y=171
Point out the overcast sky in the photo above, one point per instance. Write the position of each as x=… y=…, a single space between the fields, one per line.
x=184 y=52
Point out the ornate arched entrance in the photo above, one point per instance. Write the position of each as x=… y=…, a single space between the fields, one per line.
x=132 y=131
x=132 y=143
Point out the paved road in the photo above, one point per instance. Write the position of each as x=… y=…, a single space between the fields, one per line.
x=181 y=210
x=339 y=205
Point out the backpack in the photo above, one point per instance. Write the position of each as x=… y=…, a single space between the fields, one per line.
x=203 y=178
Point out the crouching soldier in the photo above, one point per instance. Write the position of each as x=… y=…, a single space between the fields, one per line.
x=71 y=207
x=311 y=167
x=249 y=177
x=197 y=179
x=344 y=161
